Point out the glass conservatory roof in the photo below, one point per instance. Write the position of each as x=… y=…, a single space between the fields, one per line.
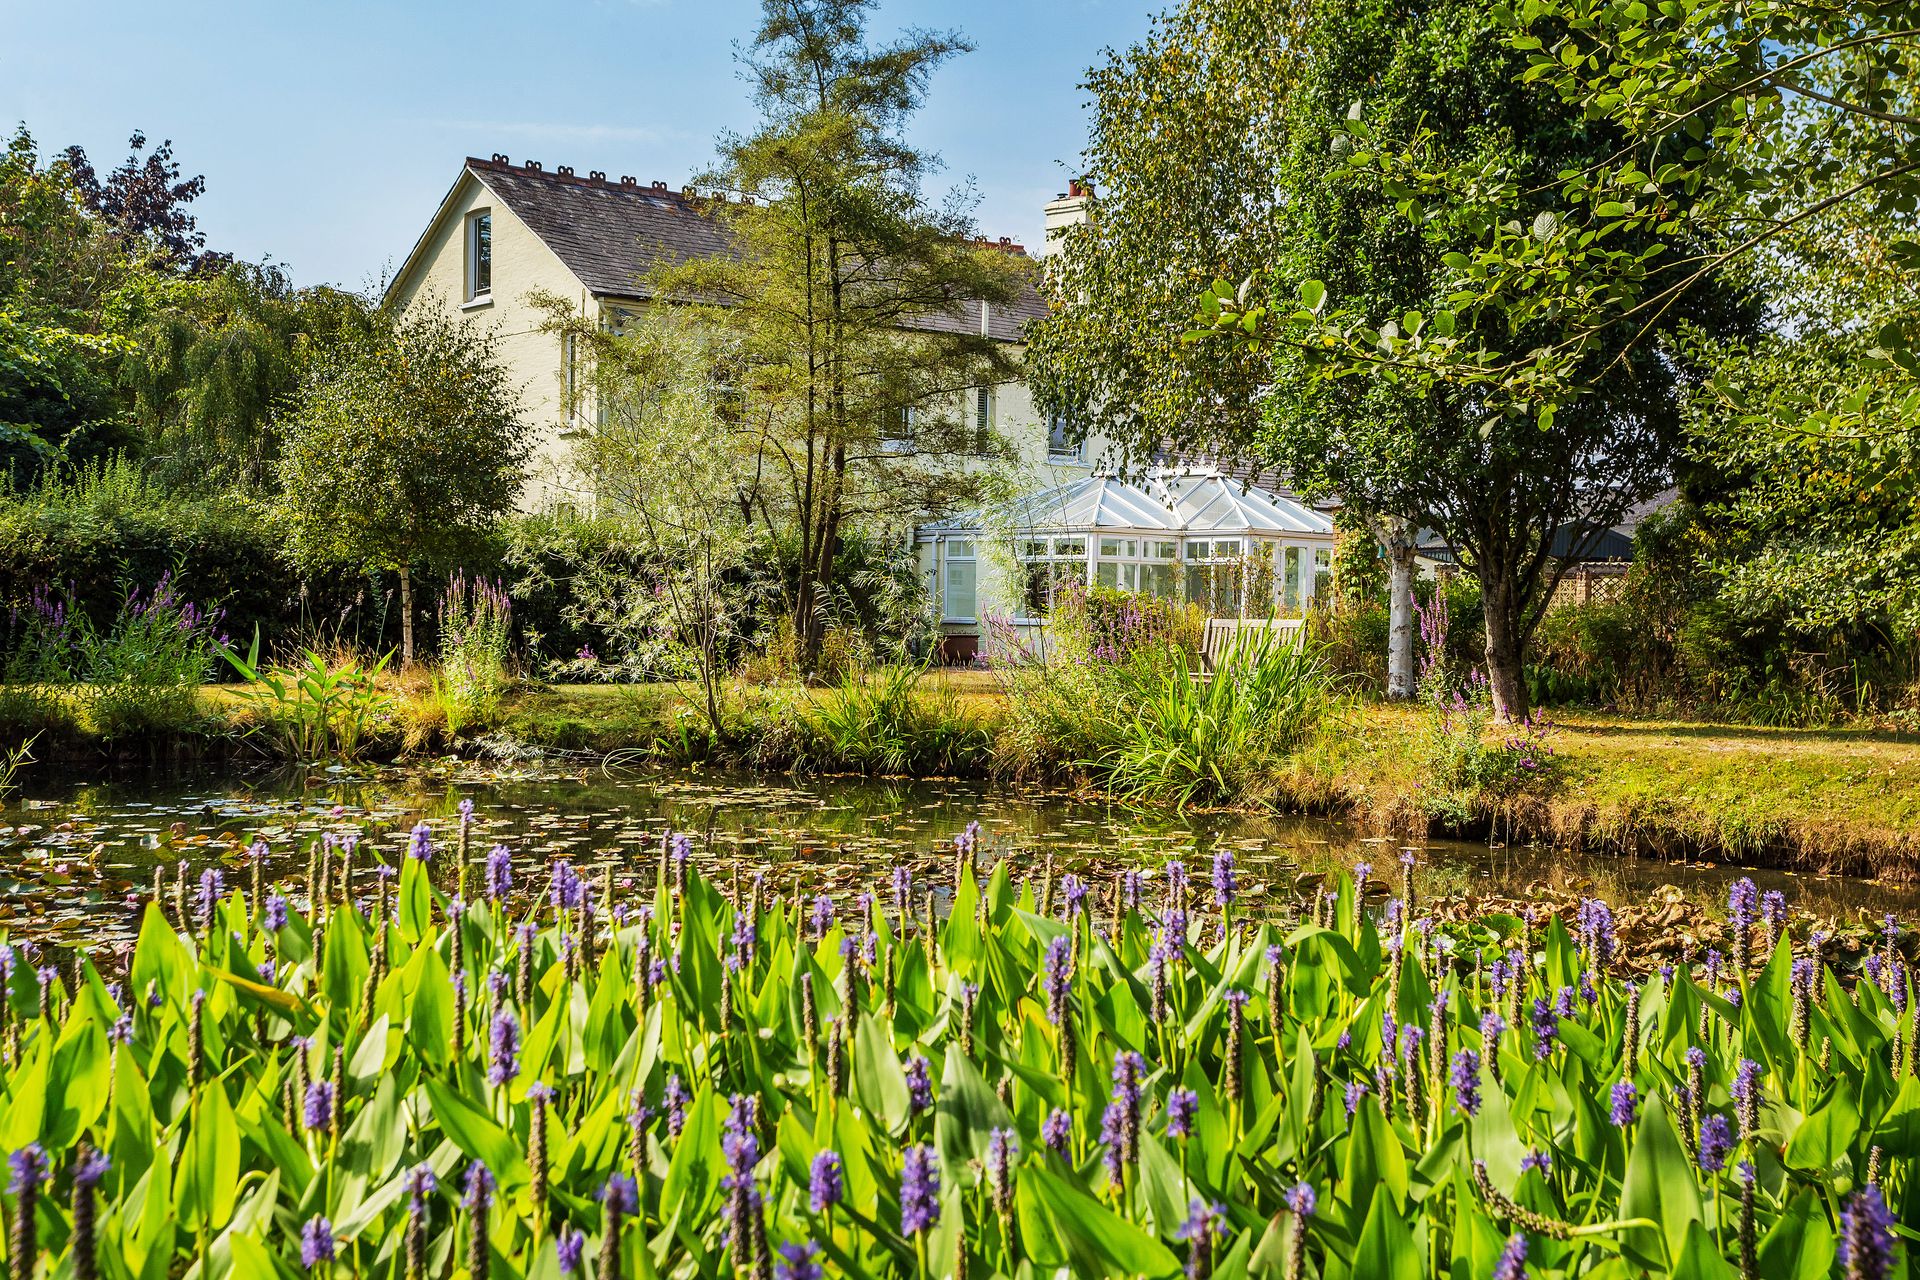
x=1163 y=501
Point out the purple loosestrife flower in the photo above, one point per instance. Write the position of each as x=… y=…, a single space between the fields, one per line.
x=274 y=917
x=1866 y=1236
x=1465 y=1078
x=571 y=1245
x=318 y=1111
x=316 y=1242
x=499 y=872
x=797 y=1262
x=919 y=1191
x=825 y=1185
x=1513 y=1259
x=1224 y=885
x=420 y=843
x=919 y=1085
x=1056 y=1131
x=503 y=1060
x=1626 y=1103
x=1182 y=1105
x=1716 y=1143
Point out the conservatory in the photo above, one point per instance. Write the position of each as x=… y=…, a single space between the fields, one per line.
x=1190 y=534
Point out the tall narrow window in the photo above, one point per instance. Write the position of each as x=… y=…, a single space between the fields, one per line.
x=958 y=600
x=982 y=417
x=479 y=255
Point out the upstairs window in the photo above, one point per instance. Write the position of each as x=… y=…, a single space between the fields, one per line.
x=1061 y=445
x=897 y=436
x=982 y=418
x=479 y=255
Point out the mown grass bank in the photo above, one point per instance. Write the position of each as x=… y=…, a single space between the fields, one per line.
x=1836 y=800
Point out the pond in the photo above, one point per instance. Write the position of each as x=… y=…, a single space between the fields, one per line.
x=78 y=856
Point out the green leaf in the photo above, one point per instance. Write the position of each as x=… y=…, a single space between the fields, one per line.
x=1100 y=1241
x=1386 y=1251
x=1658 y=1185
x=878 y=1080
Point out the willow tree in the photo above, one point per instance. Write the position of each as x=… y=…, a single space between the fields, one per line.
x=846 y=316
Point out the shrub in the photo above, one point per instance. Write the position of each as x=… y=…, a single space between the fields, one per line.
x=1464 y=770
x=885 y=720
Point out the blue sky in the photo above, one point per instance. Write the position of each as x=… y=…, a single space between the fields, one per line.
x=329 y=132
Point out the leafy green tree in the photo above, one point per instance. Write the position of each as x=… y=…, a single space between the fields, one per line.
x=840 y=323
x=1189 y=127
x=401 y=451
x=1456 y=441
x=690 y=522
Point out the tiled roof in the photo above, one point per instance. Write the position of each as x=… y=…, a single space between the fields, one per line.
x=610 y=233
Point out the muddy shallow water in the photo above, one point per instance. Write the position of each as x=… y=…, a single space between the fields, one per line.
x=76 y=855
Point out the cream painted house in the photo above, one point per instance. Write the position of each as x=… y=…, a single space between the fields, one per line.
x=507 y=231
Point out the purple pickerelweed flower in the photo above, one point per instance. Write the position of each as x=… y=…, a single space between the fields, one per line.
x=1202 y=1225
x=1131 y=884
x=902 y=890
x=1056 y=978
x=1546 y=1029
x=1356 y=1090
x=499 y=872
x=968 y=840
x=212 y=889
x=1716 y=1143
x=1594 y=924
x=674 y=1099
x=316 y=1242
x=273 y=917
x=1773 y=909
x=318 y=1108
x=622 y=1194
x=1224 y=885
x=571 y=1245
x=27 y=1168
x=1182 y=1105
x=420 y=843
x=1540 y=1160
x=421 y=1182
x=1492 y=1027
x=740 y=1144
x=682 y=846
x=1626 y=1104
x=1499 y=977
x=479 y=1186
x=1362 y=872
x=1075 y=891
x=1746 y=1095
x=1465 y=1078
x=825 y=1185
x=569 y=890
x=919 y=1085
x=1302 y=1200
x=919 y=1191
x=797 y=1262
x=1513 y=1259
x=91 y=1167
x=1743 y=903
x=1563 y=1003
x=1866 y=1236
x=822 y=916
x=503 y=1057
x=465 y=809
x=1056 y=1131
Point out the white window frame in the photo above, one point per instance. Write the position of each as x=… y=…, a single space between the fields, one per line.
x=969 y=556
x=470 y=241
x=1073 y=451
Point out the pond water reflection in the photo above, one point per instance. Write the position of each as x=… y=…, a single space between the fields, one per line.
x=76 y=856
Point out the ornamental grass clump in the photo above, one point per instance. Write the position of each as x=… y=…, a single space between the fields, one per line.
x=661 y=1077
